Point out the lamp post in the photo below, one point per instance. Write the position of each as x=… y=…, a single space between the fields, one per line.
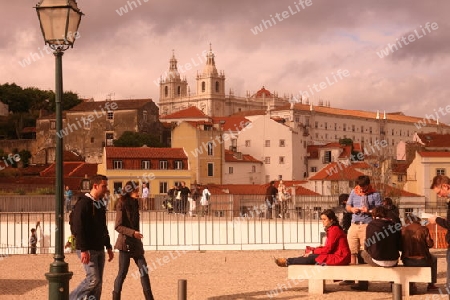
x=59 y=20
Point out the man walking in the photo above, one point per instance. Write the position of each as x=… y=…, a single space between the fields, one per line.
x=89 y=228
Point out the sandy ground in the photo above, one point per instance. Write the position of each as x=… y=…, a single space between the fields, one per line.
x=211 y=275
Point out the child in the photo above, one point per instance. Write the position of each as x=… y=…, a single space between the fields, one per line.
x=71 y=244
x=33 y=241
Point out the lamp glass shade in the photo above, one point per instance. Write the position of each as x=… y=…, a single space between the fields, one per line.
x=59 y=21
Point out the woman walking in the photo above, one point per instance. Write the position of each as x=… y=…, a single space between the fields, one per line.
x=129 y=241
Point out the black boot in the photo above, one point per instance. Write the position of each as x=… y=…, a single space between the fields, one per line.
x=116 y=296
x=148 y=295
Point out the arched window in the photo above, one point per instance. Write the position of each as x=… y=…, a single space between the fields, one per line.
x=166 y=91
x=179 y=90
x=203 y=86
x=217 y=86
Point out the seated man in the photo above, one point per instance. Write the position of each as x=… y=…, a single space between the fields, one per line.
x=416 y=243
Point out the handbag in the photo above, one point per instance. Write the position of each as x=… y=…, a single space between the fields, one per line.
x=133 y=245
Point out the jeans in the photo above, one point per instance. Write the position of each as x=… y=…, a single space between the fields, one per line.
x=124 y=264
x=68 y=208
x=411 y=262
x=307 y=260
x=92 y=283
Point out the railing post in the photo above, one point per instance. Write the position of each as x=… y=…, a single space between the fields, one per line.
x=182 y=289
x=396 y=291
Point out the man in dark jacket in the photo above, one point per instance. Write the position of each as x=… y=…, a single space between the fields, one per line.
x=271 y=195
x=89 y=228
x=441 y=186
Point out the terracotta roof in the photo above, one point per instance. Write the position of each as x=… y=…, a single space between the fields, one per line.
x=84 y=169
x=253 y=189
x=71 y=156
x=231 y=156
x=256 y=112
x=399 y=168
x=191 y=112
x=313 y=151
x=234 y=123
x=337 y=172
x=358 y=113
x=121 y=105
x=144 y=152
x=360 y=165
x=346 y=152
x=434 y=139
x=262 y=92
x=434 y=154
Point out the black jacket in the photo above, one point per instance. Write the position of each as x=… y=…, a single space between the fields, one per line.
x=445 y=223
x=127 y=222
x=383 y=241
x=89 y=222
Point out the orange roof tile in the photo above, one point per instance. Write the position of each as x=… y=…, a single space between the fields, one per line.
x=434 y=139
x=191 y=112
x=337 y=172
x=262 y=92
x=231 y=156
x=121 y=105
x=234 y=123
x=252 y=189
x=144 y=152
x=434 y=154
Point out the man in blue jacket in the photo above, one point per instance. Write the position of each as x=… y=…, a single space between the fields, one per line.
x=90 y=230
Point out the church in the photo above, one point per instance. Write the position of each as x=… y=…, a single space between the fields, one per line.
x=210 y=96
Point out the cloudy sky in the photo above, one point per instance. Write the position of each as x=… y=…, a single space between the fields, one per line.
x=124 y=48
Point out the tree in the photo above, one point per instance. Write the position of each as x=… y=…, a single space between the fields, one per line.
x=137 y=139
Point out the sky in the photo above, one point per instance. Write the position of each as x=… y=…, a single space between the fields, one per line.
x=334 y=51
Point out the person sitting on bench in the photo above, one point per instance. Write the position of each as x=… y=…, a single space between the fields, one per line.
x=335 y=252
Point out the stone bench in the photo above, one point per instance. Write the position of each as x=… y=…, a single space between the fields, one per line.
x=316 y=275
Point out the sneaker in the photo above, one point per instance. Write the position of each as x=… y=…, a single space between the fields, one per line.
x=432 y=287
x=281 y=262
x=347 y=282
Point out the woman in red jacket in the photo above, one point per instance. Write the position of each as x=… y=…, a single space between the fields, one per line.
x=335 y=252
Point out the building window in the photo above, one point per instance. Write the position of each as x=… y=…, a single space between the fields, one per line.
x=353 y=128
x=362 y=128
x=203 y=86
x=253 y=169
x=267 y=143
x=144 y=115
x=327 y=157
x=267 y=160
x=163 y=165
x=92 y=140
x=210 y=148
x=217 y=86
x=370 y=130
x=316 y=124
x=282 y=143
x=117 y=164
x=117 y=187
x=326 y=125
x=109 y=136
x=163 y=187
x=110 y=115
x=313 y=169
x=247 y=143
x=145 y=165
x=344 y=127
x=335 y=126
x=440 y=171
x=178 y=165
x=400 y=178
x=166 y=91
x=281 y=160
x=210 y=169
x=179 y=90
x=230 y=170
x=52 y=125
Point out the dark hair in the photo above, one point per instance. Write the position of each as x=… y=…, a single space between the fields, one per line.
x=329 y=213
x=388 y=201
x=379 y=212
x=439 y=180
x=33 y=230
x=272 y=182
x=96 y=179
x=363 y=180
x=130 y=186
x=343 y=198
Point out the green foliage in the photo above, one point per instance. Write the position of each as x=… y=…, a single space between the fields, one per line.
x=25 y=104
x=20 y=191
x=136 y=139
x=45 y=191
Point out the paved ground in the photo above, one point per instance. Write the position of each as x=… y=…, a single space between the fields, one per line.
x=211 y=275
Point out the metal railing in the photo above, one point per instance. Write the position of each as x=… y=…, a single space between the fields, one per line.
x=233 y=222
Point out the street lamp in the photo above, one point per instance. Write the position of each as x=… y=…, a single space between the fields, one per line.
x=59 y=20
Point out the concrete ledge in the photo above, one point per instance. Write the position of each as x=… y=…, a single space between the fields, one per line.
x=316 y=275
